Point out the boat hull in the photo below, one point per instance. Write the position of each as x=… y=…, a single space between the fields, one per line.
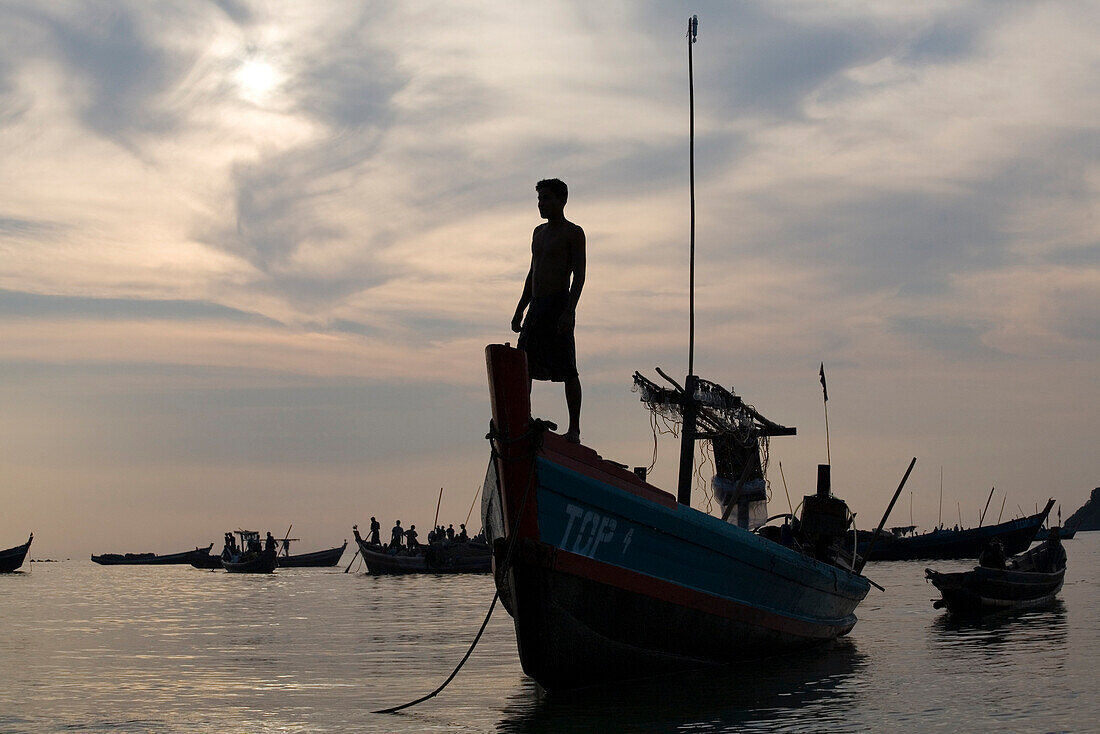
x=209 y=561
x=608 y=578
x=150 y=559
x=1016 y=536
x=469 y=557
x=317 y=559
x=12 y=558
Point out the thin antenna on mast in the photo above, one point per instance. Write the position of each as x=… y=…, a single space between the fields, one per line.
x=692 y=35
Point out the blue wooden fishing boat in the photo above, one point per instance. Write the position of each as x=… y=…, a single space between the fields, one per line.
x=609 y=578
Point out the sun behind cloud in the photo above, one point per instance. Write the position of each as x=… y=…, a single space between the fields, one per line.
x=257 y=80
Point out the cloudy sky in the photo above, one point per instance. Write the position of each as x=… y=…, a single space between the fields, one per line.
x=250 y=253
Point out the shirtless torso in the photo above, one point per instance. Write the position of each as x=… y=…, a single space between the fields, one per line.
x=557 y=252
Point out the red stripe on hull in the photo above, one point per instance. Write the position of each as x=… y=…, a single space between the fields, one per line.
x=672 y=593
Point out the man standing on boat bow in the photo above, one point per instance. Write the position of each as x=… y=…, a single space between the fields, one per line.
x=546 y=335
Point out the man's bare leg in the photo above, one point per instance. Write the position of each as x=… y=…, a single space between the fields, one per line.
x=573 y=402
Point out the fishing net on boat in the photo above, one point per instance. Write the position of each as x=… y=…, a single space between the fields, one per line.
x=738 y=438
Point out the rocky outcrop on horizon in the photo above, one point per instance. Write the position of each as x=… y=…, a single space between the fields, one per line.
x=1088 y=516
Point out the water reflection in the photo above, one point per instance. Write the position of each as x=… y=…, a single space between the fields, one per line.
x=1001 y=639
x=783 y=693
x=1040 y=625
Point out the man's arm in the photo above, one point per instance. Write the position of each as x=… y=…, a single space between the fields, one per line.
x=524 y=299
x=577 y=266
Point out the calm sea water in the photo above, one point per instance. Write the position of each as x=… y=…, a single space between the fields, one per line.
x=176 y=649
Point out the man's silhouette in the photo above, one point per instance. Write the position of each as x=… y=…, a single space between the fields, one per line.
x=552 y=289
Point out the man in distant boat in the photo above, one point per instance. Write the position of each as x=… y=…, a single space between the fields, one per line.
x=269 y=542
x=396 y=535
x=375 y=528
x=993 y=555
x=550 y=296
x=410 y=538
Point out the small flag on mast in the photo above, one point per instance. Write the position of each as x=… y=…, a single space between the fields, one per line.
x=824 y=390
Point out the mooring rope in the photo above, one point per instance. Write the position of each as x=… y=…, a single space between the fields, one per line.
x=537 y=431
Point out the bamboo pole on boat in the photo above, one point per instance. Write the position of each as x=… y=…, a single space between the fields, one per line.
x=1002 y=509
x=435 y=523
x=874 y=537
x=471 y=512
x=286 y=545
x=789 y=505
x=982 y=518
x=939 y=518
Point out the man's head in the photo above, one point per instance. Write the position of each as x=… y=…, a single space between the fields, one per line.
x=553 y=193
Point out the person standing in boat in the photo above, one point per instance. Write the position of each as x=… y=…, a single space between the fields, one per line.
x=269 y=542
x=375 y=528
x=410 y=538
x=396 y=535
x=550 y=296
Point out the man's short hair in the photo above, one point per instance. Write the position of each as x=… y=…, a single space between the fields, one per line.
x=555 y=186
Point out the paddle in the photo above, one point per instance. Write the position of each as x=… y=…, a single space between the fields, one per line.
x=358 y=549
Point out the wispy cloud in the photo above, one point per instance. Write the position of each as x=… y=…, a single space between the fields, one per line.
x=334 y=203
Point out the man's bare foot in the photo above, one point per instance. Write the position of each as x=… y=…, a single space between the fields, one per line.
x=573 y=436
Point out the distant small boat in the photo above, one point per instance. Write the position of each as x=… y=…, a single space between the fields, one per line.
x=316 y=559
x=1030 y=579
x=151 y=559
x=1064 y=533
x=13 y=558
x=470 y=556
x=1015 y=535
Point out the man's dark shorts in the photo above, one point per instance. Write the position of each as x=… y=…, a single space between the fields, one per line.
x=550 y=355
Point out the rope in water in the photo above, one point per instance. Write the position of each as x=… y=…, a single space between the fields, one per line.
x=496 y=595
